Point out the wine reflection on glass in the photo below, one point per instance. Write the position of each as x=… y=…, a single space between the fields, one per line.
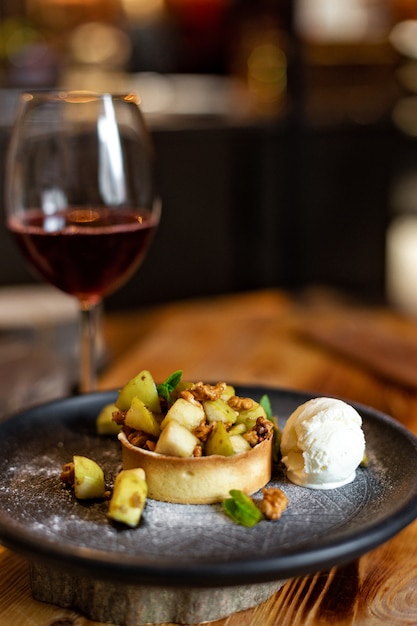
x=80 y=197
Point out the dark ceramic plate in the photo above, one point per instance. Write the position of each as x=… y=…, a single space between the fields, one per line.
x=194 y=545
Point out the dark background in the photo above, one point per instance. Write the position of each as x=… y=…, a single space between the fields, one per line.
x=298 y=194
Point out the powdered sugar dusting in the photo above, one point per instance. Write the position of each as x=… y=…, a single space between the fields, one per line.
x=35 y=502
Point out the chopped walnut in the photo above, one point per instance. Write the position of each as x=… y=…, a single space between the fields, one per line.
x=198 y=450
x=141 y=440
x=261 y=431
x=240 y=404
x=263 y=428
x=189 y=396
x=137 y=438
x=119 y=417
x=203 y=430
x=67 y=475
x=203 y=392
x=273 y=503
x=251 y=437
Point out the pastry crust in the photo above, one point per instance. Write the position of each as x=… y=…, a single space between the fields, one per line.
x=200 y=480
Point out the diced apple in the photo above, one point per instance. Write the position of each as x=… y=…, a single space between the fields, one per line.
x=239 y=443
x=185 y=413
x=176 y=440
x=249 y=416
x=237 y=429
x=129 y=497
x=88 y=479
x=218 y=441
x=143 y=386
x=105 y=423
x=228 y=392
x=140 y=417
x=219 y=411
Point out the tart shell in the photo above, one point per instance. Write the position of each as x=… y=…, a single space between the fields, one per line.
x=200 y=480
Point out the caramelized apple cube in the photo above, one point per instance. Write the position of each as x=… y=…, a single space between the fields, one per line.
x=237 y=429
x=218 y=441
x=143 y=386
x=105 y=424
x=249 y=416
x=228 y=392
x=129 y=497
x=219 y=411
x=185 y=413
x=139 y=417
x=176 y=440
x=239 y=444
x=88 y=479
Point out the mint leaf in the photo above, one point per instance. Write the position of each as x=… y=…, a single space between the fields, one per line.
x=242 y=509
x=266 y=405
x=167 y=387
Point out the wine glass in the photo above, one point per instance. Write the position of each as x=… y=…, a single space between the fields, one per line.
x=80 y=197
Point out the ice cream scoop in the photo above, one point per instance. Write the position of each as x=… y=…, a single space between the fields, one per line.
x=323 y=443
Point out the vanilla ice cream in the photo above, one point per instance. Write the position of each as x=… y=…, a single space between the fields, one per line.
x=323 y=443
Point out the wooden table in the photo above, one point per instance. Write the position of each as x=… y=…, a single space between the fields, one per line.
x=316 y=343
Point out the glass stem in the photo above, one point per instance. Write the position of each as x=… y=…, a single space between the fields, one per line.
x=88 y=365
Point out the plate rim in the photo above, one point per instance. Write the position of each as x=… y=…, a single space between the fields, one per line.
x=289 y=564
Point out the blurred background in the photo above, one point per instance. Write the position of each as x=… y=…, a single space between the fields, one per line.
x=285 y=134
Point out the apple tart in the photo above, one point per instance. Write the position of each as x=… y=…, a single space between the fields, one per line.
x=194 y=441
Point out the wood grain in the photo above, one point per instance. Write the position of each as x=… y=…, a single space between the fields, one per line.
x=264 y=338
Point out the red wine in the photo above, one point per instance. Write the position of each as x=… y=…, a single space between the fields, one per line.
x=85 y=252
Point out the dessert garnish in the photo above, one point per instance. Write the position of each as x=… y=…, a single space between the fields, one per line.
x=323 y=444
x=85 y=477
x=192 y=443
x=196 y=441
x=129 y=497
x=246 y=511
